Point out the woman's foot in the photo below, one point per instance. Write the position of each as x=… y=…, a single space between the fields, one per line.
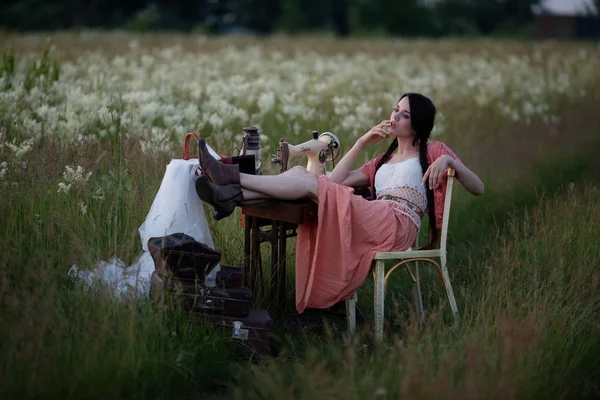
x=218 y=172
x=224 y=199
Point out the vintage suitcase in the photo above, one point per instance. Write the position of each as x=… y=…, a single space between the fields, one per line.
x=181 y=264
x=195 y=296
x=228 y=301
x=230 y=277
x=253 y=335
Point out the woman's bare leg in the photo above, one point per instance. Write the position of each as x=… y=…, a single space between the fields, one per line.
x=283 y=187
x=296 y=171
x=253 y=195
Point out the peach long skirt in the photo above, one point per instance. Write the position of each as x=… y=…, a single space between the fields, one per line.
x=334 y=254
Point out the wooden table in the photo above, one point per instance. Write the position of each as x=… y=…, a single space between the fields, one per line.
x=271 y=221
x=274 y=221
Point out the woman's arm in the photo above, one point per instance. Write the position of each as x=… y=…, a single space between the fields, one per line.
x=440 y=158
x=356 y=179
x=341 y=173
x=466 y=177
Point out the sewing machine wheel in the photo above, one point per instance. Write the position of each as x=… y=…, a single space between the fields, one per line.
x=336 y=147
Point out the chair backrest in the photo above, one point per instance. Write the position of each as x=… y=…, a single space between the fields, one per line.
x=440 y=241
x=446 y=215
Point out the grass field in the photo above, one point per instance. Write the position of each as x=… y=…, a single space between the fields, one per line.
x=89 y=120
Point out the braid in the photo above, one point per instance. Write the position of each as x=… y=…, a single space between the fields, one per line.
x=430 y=200
x=384 y=159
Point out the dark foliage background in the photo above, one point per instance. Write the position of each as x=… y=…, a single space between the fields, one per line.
x=342 y=17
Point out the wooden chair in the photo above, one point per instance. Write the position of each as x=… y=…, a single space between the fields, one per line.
x=437 y=250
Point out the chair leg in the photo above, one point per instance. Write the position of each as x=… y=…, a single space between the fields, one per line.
x=418 y=296
x=379 y=298
x=450 y=292
x=351 y=313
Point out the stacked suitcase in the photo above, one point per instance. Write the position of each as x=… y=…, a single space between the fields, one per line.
x=181 y=264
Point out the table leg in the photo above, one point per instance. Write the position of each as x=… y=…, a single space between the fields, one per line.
x=247 y=250
x=282 y=260
x=252 y=258
x=259 y=286
x=273 y=239
x=253 y=274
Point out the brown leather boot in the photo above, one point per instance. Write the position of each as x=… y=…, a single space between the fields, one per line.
x=224 y=199
x=218 y=172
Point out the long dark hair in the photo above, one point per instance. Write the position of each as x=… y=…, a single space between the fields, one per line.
x=422 y=111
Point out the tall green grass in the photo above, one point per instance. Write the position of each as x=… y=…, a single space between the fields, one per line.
x=59 y=341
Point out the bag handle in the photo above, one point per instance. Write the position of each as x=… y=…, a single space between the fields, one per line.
x=186 y=145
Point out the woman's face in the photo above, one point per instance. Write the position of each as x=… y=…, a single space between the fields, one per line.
x=400 y=123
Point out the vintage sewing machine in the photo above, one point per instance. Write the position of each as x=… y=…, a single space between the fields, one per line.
x=320 y=150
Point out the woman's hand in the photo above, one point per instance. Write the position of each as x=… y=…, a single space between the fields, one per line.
x=436 y=171
x=376 y=133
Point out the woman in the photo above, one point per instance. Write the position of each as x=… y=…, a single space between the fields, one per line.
x=334 y=255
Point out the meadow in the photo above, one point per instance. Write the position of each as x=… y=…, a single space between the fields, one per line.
x=89 y=120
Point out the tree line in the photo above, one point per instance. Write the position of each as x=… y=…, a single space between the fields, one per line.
x=342 y=17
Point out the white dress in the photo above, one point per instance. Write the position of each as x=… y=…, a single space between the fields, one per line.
x=401 y=183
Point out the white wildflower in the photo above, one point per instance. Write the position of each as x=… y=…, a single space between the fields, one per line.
x=227 y=133
x=240 y=114
x=266 y=101
x=171 y=120
x=150 y=111
x=73 y=176
x=181 y=130
x=349 y=123
x=119 y=62
x=191 y=113
x=3 y=170
x=147 y=61
x=63 y=187
x=21 y=149
x=76 y=175
x=294 y=110
x=99 y=195
x=296 y=128
x=33 y=126
x=83 y=208
x=215 y=121
x=158 y=142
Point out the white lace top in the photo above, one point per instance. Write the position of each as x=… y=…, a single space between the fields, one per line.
x=403 y=180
